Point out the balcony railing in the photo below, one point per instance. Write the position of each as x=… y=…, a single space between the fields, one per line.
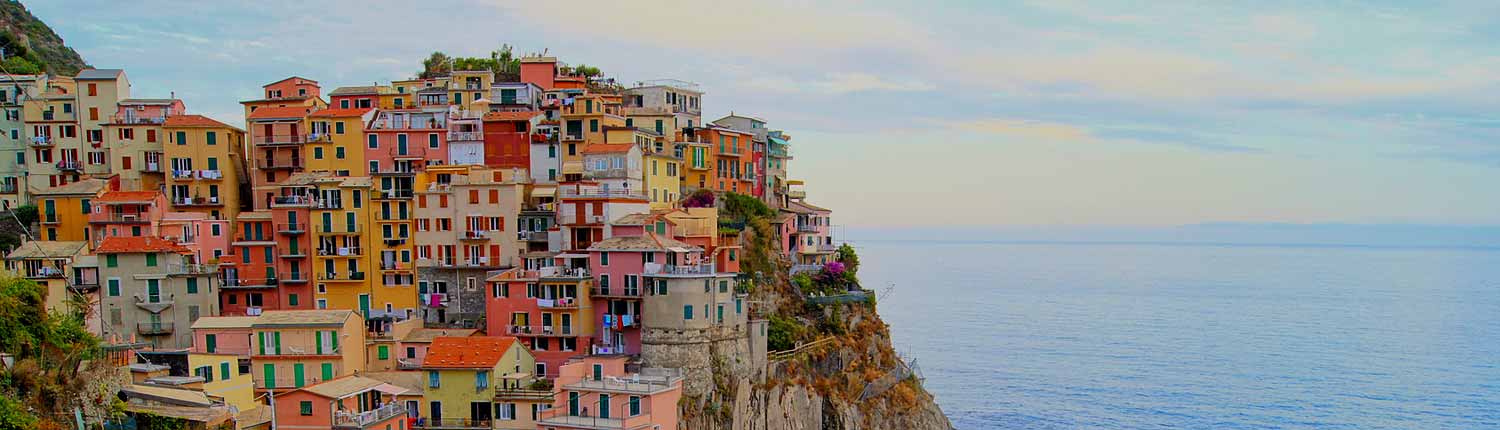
x=197 y=201
x=249 y=282
x=340 y=229
x=153 y=329
x=293 y=200
x=615 y=292
x=191 y=269
x=292 y=228
x=539 y=330
x=343 y=251
x=41 y=141
x=122 y=218
x=807 y=228
x=6 y=188
x=599 y=193
x=392 y=194
x=341 y=276
x=607 y=173
x=320 y=137
x=563 y=272
x=368 y=418
x=210 y=175
x=678 y=269
x=154 y=167
x=558 y=303
x=294 y=278
x=473 y=235
x=43 y=272
x=532 y=236
x=280 y=139
x=465 y=135
x=137 y=119
x=68 y=165
x=286 y=382
x=279 y=163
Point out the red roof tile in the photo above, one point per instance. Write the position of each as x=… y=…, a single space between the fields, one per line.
x=603 y=148
x=278 y=112
x=124 y=244
x=511 y=116
x=127 y=196
x=193 y=121
x=339 y=113
x=467 y=352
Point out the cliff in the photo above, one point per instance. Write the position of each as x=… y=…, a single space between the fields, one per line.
x=31 y=46
x=831 y=365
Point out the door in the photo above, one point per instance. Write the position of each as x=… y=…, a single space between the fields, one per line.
x=297 y=375
x=567 y=323
x=479 y=411
x=327 y=374
x=436 y=411
x=364 y=304
x=153 y=291
x=268 y=372
x=603 y=406
x=573 y=404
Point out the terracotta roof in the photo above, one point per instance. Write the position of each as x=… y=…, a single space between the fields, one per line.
x=511 y=116
x=127 y=196
x=806 y=206
x=151 y=102
x=360 y=91
x=640 y=219
x=604 y=148
x=280 y=112
x=194 y=121
x=340 y=113
x=480 y=352
x=428 y=334
x=223 y=322
x=343 y=387
x=325 y=317
x=128 y=244
x=86 y=186
x=46 y=249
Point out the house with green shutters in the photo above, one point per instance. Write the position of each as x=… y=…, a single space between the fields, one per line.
x=152 y=291
x=297 y=348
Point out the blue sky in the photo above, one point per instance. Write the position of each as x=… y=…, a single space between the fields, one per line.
x=1049 y=113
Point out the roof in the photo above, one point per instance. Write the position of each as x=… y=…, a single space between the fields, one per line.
x=253 y=416
x=359 y=91
x=424 y=335
x=195 y=121
x=806 y=206
x=414 y=382
x=288 y=79
x=129 y=244
x=304 y=178
x=343 y=387
x=605 y=148
x=321 y=317
x=46 y=249
x=639 y=243
x=538 y=59
x=223 y=322
x=168 y=395
x=512 y=116
x=98 y=74
x=280 y=112
x=153 y=102
x=86 y=186
x=340 y=113
x=734 y=115
x=479 y=352
x=254 y=215
x=127 y=196
x=639 y=219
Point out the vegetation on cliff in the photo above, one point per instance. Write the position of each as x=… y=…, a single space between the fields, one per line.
x=31 y=46
x=53 y=355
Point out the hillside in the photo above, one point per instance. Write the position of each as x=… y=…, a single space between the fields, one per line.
x=31 y=46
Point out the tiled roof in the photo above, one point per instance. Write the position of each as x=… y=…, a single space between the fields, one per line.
x=129 y=244
x=127 y=196
x=358 y=91
x=806 y=206
x=343 y=387
x=339 y=113
x=304 y=178
x=324 y=317
x=46 y=249
x=480 y=352
x=640 y=219
x=511 y=116
x=96 y=74
x=86 y=186
x=194 y=121
x=169 y=395
x=423 y=335
x=280 y=112
x=605 y=148
x=151 y=102
x=639 y=243
x=223 y=322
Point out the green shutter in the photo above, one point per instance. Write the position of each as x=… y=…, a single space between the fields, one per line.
x=383 y=352
x=181 y=138
x=298 y=378
x=150 y=260
x=111 y=260
x=327 y=371
x=224 y=370
x=210 y=343
x=192 y=285
x=213 y=138
x=318 y=339
x=262 y=343
x=335 y=343
x=268 y=371
x=277 y=338
x=114 y=286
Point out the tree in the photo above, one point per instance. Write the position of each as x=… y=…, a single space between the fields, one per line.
x=703 y=198
x=437 y=64
x=850 y=259
x=26 y=213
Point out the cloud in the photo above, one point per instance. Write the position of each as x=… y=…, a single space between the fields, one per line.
x=1022 y=128
x=841 y=83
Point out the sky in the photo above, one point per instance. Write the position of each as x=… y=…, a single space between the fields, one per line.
x=962 y=113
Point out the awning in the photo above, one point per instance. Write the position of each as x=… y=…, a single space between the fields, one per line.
x=391 y=389
x=572 y=167
x=543 y=192
x=572 y=255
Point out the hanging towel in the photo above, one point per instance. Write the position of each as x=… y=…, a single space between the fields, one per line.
x=626 y=319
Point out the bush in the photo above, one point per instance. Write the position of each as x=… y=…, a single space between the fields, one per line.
x=703 y=198
x=740 y=207
x=27 y=214
x=783 y=333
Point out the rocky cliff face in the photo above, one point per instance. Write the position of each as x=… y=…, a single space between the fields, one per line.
x=31 y=46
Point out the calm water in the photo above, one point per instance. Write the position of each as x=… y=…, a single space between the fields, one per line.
x=1072 y=336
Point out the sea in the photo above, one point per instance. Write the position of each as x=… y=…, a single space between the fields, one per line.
x=1078 y=335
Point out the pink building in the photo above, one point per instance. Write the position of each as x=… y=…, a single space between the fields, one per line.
x=222 y=335
x=126 y=213
x=640 y=244
x=208 y=239
x=401 y=141
x=595 y=392
x=554 y=334
x=147 y=111
x=350 y=402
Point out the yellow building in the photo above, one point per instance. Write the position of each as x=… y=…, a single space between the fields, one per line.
x=51 y=132
x=475 y=380
x=293 y=349
x=406 y=90
x=134 y=137
x=661 y=164
x=338 y=141
x=203 y=160
x=63 y=211
x=583 y=124
x=466 y=86
x=391 y=215
x=342 y=263
x=222 y=379
x=52 y=265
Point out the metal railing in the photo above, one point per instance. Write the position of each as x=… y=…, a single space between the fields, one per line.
x=558 y=303
x=347 y=228
x=275 y=163
x=136 y=119
x=291 y=228
x=452 y=423
x=191 y=269
x=68 y=165
x=678 y=269
x=249 y=282
x=156 y=328
x=280 y=139
x=532 y=236
x=40 y=141
x=539 y=330
x=119 y=217
x=615 y=292
x=473 y=235
x=293 y=200
x=342 y=251
x=465 y=135
x=341 y=276
x=599 y=193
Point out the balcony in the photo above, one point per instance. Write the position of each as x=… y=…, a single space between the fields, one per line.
x=153 y=167
x=558 y=303
x=153 y=329
x=350 y=251
x=615 y=293
x=395 y=241
x=346 y=420
x=287 y=383
x=392 y=265
x=410 y=153
x=343 y=229
x=43 y=272
x=210 y=175
x=540 y=331
x=475 y=262
x=280 y=140
x=191 y=269
x=473 y=235
x=69 y=165
x=40 y=141
x=120 y=218
x=294 y=254
x=319 y=138
x=392 y=194
x=797 y=194
x=678 y=269
x=154 y=303
x=294 y=278
x=532 y=236
x=600 y=193
x=465 y=136
x=807 y=228
x=292 y=201
x=197 y=201
x=137 y=119
x=341 y=276
x=249 y=283
x=278 y=163
x=618 y=173
x=7 y=188
x=564 y=272
x=291 y=229
x=327 y=204
x=620 y=417
x=512 y=393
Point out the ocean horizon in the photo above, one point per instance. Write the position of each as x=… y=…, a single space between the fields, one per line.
x=1067 y=334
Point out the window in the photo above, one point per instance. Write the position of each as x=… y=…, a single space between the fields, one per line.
x=687 y=312
x=338 y=152
x=291 y=299
x=338 y=127
x=433 y=380
x=635 y=405
x=305 y=407
x=150 y=260
x=224 y=370
x=182 y=138
x=374 y=141
x=481 y=379
x=383 y=352
x=318 y=153
x=212 y=138
x=114 y=285
x=432 y=140
x=192 y=285
x=603 y=258
x=111 y=260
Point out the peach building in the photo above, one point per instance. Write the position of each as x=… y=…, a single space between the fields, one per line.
x=350 y=402
x=596 y=393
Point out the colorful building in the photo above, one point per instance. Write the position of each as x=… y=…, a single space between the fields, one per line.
x=349 y=402
x=54 y=266
x=276 y=138
x=134 y=137
x=154 y=288
x=466 y=377
x=100 y=92
x=63 y=210
x=205 y=164
x=548 y=309
x=294 y=349
x=16 y=137
x=337 y=142
x=508 y=137
x=465 y=223
x=596 y=393
x=249 y=267
x=223 y=379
